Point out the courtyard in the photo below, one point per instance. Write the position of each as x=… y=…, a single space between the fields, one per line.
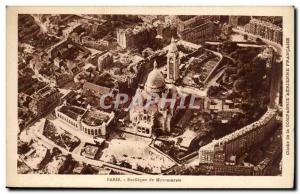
x=134 y=152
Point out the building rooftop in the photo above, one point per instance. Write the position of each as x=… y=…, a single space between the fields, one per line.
x=185 y=17
x=155 y=80
x=72 y=111
x=90 y=150
x=96 y=88
x=44 y=92
x=265 y=23
x=94 y=117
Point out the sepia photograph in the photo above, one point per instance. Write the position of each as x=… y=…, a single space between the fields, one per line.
x=164 y=95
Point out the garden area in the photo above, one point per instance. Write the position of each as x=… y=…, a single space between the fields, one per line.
x=199 y=68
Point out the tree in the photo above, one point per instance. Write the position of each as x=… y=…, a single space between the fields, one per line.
x=239 y=84
x=147 y=52
x=213 y=91
x=228 y=46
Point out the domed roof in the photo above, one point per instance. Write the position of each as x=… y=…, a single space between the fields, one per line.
x=173 y=48
x=155 y=81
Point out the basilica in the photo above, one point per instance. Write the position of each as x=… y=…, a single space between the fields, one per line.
x=152 y=116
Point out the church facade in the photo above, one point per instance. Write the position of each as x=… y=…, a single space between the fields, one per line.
x=157 y=116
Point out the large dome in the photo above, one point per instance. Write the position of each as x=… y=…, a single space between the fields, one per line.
x=155 y=82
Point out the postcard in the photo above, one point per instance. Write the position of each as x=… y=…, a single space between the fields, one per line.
x=150 y=97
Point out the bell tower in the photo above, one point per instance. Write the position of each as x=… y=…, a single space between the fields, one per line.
x=172 y=63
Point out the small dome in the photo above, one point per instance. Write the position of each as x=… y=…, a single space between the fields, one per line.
x=173 y=48
x=155 y=81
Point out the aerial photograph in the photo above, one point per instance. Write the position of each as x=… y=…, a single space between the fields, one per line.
x=103 y=94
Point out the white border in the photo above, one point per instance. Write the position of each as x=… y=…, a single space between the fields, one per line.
x=113 y=3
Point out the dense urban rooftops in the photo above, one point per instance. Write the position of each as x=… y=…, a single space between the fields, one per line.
x=96 y=88
x=44 y=92
x=265 y=23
